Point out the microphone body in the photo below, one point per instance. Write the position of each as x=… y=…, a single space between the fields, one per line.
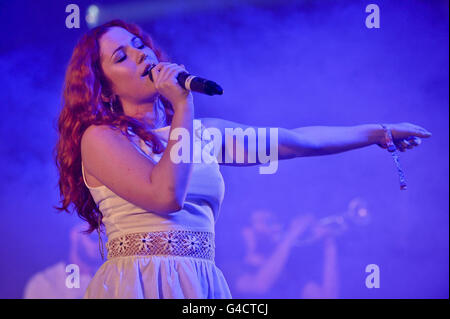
x=196 y=84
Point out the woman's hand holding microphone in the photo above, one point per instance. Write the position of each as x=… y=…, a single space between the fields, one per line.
x=165 y=80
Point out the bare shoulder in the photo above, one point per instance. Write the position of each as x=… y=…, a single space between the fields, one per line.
x=99 y=136
x=101 y=144
x=96 y=132
x=94 y=137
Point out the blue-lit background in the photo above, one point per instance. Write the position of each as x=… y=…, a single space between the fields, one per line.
x=281 y=63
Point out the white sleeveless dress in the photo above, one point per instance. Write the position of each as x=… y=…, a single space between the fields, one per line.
x=181 y=263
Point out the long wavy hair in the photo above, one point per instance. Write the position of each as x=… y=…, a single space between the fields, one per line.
x=82 y=106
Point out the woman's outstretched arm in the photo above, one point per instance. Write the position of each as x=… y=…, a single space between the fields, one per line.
x=305 y=141
x=337 y=139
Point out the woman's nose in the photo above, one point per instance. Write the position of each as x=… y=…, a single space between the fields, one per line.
x=142 y=57
x=136 y=54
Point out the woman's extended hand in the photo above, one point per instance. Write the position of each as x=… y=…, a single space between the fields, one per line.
x=405 y=136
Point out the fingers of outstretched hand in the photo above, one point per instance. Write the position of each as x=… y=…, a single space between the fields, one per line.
x=414 y=140
x=409 y=143
x=399 y=146
x=419 y=131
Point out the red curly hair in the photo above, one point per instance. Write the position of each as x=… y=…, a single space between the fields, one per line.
x=83 y=106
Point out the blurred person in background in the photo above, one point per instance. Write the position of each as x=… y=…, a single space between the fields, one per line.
x=273 y=265
x=51 y=283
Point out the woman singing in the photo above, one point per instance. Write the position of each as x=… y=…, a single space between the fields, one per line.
x=114 y=161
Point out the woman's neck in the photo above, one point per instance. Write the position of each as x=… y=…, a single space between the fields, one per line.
x=153 y=117
x=161 y=119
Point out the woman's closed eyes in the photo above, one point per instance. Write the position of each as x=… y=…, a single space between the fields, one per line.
x=137 y=43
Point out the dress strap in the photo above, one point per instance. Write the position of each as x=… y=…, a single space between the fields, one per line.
x=84 y=176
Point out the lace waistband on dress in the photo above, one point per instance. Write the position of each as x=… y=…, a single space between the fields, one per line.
x=167 y=243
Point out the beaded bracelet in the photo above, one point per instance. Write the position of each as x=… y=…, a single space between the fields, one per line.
x=391 y=148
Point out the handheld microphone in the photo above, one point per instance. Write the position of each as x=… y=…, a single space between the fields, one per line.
x=194 y=83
